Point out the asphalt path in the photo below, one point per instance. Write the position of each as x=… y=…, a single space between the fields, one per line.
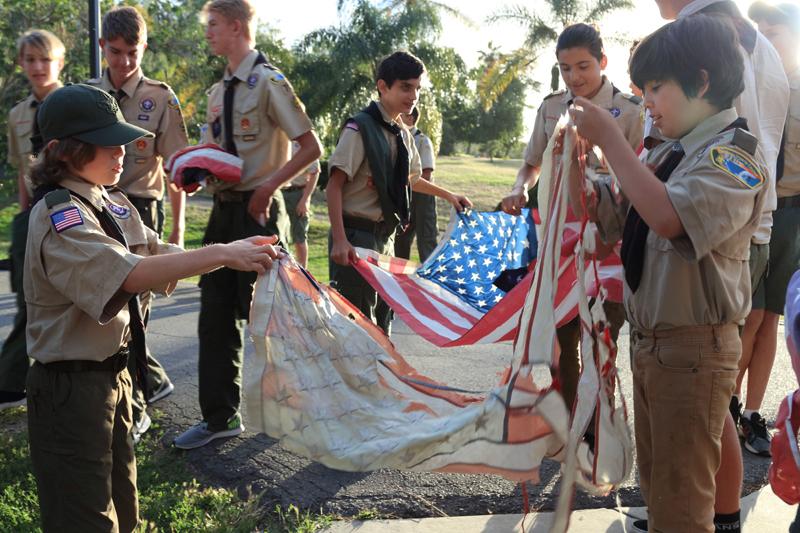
x=254 y=464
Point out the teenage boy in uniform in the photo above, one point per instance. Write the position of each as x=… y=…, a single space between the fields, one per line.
x=687 y=282
x=253 y=113
x=41 y=56
x=372 y=171
x=151 y=105
x=423 y=206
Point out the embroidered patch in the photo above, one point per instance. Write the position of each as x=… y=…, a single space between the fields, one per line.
x=249 y=138
x=174 y=103
x=147 y=105
x=119 y=211
x=141 y=144
x=252 y=80
x=216 y=109
x=615 y=112
x=245 y=124
x=66 y=218
x=277 y=78
x=737 y=164
x=143 y=118
x=298 y=104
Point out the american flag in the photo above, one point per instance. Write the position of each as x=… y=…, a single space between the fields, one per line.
x=445 y=316
x=66 y=218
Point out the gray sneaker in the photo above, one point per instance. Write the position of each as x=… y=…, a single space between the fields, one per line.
x=162 y=392
x=199 y=434
x=756 y=436
x=140 y=427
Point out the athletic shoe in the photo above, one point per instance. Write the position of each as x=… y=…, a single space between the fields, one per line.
x=141 y=427
x=199 y=434
x=163 y=391
x=736 y=410
x=756 y=436
x=639 y=526
x=9 y=399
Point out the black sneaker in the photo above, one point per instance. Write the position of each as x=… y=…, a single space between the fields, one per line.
x=9 y=399
x=736 y=410
x=756 y=436
x=640 y=526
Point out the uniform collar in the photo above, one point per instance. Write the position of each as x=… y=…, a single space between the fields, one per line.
x=385 y=115
x=95 y=194
x=130 y=86
x=604 y=97
x=693 y=7
x=244 y=68
x=710 y=127
x=32 y=101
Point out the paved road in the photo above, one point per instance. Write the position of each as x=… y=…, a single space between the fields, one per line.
x=255 y=464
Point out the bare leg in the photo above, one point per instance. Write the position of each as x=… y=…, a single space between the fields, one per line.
x=760 y=367
x=301 y=253
x=751 y=327
x=729 y=475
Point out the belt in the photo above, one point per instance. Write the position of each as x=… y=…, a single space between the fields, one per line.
x=115 y=364
x=686 y=333
x=789 y=201
x=365 y=224
x=233 y=196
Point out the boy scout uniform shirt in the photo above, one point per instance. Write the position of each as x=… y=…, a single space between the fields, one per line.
x=77 y=309
x=625 y=108
x=359 y=196
x=20 y=129
x=302 y=179
x=425 y=149
x=267 y=115
x=702 y=277
x=153 y=106
x=789 y=184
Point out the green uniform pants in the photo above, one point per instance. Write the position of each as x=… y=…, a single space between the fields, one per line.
x=14 y=360
x=569 y=336
x=422 y=223
x=225 y=296
x=79 y=427
x=349 y=282
x=156 y=375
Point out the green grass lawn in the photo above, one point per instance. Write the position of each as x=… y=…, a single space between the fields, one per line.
x=171 y=498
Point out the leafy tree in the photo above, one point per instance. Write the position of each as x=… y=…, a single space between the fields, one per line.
x=541 y=30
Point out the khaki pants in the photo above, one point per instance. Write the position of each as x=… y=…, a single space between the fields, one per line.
x=79 y=427
x=683 y=379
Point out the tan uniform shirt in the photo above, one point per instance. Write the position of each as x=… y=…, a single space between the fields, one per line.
x=153 y=106
x=302 y=179
x=359 y=196
x=20 y=129
x=267 y=115
x=73 y=277
x=627 y=109
x=703 y=277
x=789 y=185
x=425 y=148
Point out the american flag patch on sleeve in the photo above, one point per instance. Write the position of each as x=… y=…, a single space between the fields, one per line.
x=66 y=218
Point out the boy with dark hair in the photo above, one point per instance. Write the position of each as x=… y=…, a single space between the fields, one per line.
x=373 y=169
x=151 y=105
x=422 y=221
x=41 y=56
x=687 y=282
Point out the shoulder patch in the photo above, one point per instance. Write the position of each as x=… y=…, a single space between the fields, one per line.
x=745 y=140
x=737 y=164
x=56 y=197
x=66 y=218
x=173 y=102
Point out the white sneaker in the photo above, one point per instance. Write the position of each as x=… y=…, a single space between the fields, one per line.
x=141 y=427
x=162 y=392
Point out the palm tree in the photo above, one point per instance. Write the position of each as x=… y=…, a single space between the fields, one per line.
x=541 y=30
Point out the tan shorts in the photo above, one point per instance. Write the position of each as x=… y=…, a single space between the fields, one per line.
x=683 y=379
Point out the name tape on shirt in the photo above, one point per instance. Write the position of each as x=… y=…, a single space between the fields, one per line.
x=737 y=164
x=66 y=218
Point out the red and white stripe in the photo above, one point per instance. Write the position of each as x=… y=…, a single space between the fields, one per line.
x=223 y=165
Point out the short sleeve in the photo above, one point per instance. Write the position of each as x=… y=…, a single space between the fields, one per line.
x=285 y=108
x=172 y=130
x=349 y=153
x=534 y=151
x=415 y=163
x=715 y=199
x=425 y=147
x=88 y=267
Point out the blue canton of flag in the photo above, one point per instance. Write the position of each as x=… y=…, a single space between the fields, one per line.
x=475 y=250
x=66 y=218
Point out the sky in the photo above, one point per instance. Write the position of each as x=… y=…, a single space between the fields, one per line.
x=296 y=18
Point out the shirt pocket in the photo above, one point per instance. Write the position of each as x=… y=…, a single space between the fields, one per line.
x=247 y=119
x=142 y=148
x=23 y=130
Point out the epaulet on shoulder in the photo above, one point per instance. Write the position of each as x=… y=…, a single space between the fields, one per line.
x=94 y=81
x=350 y=124
x=211 y=89
x=270 y=66
x=57 y=197
x=632 y=98
x=157 y=83
x=745 y=140
x=557 y=93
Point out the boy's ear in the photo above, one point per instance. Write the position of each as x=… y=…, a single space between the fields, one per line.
x=703 y=89
x=603 y=62
x=382 y=86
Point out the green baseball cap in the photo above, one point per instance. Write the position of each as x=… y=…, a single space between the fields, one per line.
x=87 y=113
